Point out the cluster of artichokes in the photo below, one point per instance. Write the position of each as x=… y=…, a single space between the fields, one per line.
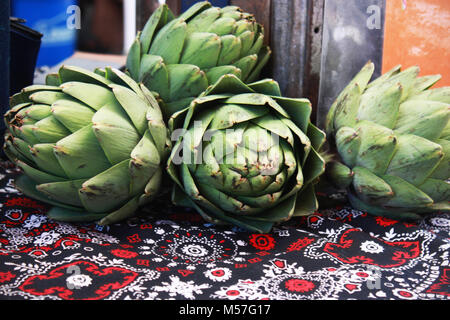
x=191 y=105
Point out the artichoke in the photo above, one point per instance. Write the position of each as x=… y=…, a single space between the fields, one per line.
x=180 y=57
x=89 y=145
x=392 y=138
x=245 y=155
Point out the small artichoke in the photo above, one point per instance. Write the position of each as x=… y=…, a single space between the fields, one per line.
x=180 y=57
x=246 y=155
x=392 y=138
x=89 y=145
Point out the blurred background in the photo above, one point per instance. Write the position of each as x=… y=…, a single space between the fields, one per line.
x=317 y=45
x=416 y=31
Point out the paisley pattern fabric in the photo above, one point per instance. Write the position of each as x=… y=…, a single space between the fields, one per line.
x=171 y=253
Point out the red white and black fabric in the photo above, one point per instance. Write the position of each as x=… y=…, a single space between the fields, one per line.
x=336 y=253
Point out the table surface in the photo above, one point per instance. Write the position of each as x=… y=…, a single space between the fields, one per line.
x=171 y=253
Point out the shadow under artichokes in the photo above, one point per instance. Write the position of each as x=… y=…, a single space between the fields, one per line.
x=91 y=144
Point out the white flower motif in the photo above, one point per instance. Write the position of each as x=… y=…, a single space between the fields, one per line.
x=218 y=274
x=46 y=238
x=77 y=281
x=34 y=221
x=440 y=222
x=371 y=247
x=194 y=250
x=177 y=287
x=405 y=294
x=65 y=228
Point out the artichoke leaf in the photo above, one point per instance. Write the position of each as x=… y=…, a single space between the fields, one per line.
x=348 y=142
x=186 y=81
x=76 y=151
x=159 y=18
x=63 y=191
x=133 y=61
x=154 y=75
x=28 y=187
x=73 y=115
x=426 y=119
x=36 y=175
x=263 y=57
x=49 y=130
x=107 y=190
x=68 y=215
x=124 y=212
x=69 y=74
x=406 y=195
x=415 y=159
x=246 y=64
x=169 y=41
x=230 y=50
x=47 y=97
x=369 y=187
x=215 y=73
x=95 y=96
x=201 y=49
x=135 y=107
x=45 y=159
x=266 y=86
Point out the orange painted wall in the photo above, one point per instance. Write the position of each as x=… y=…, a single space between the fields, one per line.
x=417 y=32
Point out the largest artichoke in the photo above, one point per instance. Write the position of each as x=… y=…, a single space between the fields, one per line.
x=393 y=143
x=89 y=145
x=246 y=155
x=180 y=57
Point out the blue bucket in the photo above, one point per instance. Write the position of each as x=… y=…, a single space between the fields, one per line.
x=50 y=17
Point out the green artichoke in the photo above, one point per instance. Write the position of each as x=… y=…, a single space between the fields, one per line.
x=246 y=155
x=392 y=138
x=89 y=145
x=180 y=57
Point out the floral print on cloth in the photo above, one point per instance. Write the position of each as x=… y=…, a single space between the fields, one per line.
x=172 y=253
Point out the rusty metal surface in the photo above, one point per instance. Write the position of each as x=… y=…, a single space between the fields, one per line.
x=288 y=39
x=310 y=88
x=353 y=34
x=296 y=42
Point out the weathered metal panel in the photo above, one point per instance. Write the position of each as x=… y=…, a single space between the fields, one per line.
x=353 y=34
x=296 y=41
x=288 y=39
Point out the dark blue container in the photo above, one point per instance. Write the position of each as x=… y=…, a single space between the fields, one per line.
x=54 y=19
x=186 y=4
x=4 y=67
